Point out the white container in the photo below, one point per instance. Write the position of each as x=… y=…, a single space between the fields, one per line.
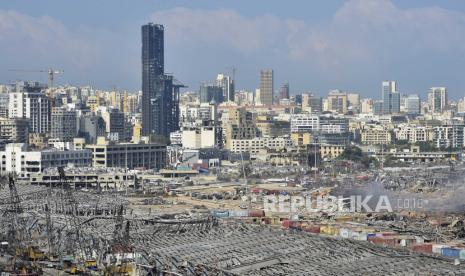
x=419 y=239
x=361 y=237
x=403 y=242
x=344 y=232
x=437 y=248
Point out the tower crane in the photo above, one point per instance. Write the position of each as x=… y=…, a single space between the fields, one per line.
x=50 y=72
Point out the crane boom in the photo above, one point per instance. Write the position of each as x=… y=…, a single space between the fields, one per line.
x=50 y=72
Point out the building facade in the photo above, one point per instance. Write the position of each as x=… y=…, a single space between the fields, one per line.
x=238 y=124
x=160 y=93
x=18 y=159
x=211 y=93
x=266 y=87
x=34 y=106
x=413 y=105
x=284 y=91
x=448 y=136
x=14 y=130
x=305 y=123
x=227 y=85
x=128 y=155
x=375 y=135
x=337 y=102
x=63 y=124
x=437 y=99
x=390 y=98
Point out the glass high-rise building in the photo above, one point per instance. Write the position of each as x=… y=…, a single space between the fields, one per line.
x=390 y=97
x=159 y=94
x=153 y=63
x=413 y=105
x=437 y=99
x=227 y=85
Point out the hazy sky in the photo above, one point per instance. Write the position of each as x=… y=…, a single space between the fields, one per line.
x=314 y=45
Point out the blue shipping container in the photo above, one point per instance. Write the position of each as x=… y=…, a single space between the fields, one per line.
x=220 y=214
x=450 y=252
x=238 y=213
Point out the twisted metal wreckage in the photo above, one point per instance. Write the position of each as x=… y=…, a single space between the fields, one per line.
x=91 y=233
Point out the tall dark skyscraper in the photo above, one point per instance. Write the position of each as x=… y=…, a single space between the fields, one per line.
x=159 y=94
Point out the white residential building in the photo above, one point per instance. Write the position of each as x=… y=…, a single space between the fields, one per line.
x=448 y=136
x=201 y=137
x=34 y=106
x=253 y=146
x=305 y=123
x=414 y=133
x=16 y=158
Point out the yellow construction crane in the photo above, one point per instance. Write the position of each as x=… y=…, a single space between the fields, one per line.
x=51 y=74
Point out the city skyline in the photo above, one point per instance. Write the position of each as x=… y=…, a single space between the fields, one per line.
x=389 y=40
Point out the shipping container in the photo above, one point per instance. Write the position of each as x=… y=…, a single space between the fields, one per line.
x=462 y=254
x=423 y=247
x=295 y=224
x=285 y=224
x=291 y=224
x=359 y=236
x=344 y=233
x=437 y=248
x=386 y=234
x=256 y=213
x=238 y=213
x=450 y=252
x=220 y=214
x=329 y=230
x=312 y=229
x=384 y=241
x=344 y=218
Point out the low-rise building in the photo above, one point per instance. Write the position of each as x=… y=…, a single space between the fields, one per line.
x=200 y=137
x=328 y=151
x=304 y=123
x=448 y=136
x=254 y=146
x=18 y=159
x=128 y=155
x=414 y=133
x=301 y=138
x=87 y=178
x=375 y=135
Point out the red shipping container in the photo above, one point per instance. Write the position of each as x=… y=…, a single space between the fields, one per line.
x=285 y=224
x=423 y=247
x=256 y=213
x=295 y=224
x=387 y=234
x=312 y=229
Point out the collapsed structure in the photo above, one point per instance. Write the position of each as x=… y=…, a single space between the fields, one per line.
x=50 y=229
